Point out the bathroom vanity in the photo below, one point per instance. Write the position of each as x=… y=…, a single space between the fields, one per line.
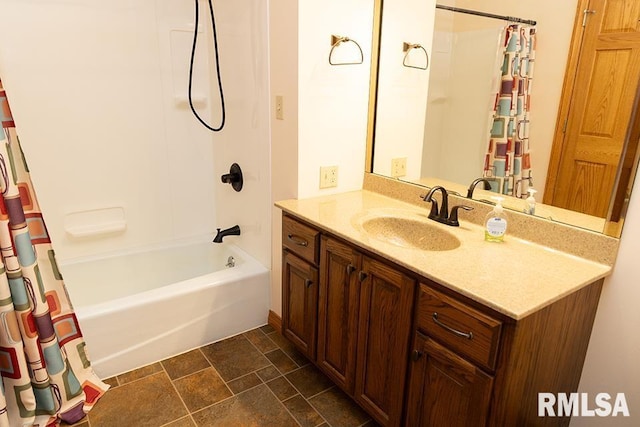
x=446 y=330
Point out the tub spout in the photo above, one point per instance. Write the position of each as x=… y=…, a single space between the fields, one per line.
x=233 y=231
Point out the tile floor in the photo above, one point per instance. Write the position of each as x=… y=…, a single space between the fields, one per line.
x=253 y=379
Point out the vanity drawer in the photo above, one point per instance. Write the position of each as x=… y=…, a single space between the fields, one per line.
x=300 y=239
x=467 y=331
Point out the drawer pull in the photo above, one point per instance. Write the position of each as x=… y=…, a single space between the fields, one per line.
x=350 y=269
x=298 y=240
x=308 y=283
x=416 y=355
x=362 y=276
x=467 y=335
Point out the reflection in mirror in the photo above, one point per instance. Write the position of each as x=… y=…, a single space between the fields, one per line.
x=438 y=121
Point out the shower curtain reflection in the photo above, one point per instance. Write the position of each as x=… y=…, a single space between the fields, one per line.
x=45 y=370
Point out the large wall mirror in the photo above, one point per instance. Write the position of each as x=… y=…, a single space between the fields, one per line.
x=435 y=80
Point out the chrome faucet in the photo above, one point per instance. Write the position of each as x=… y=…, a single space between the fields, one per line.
x=442 y=215
x=487 y=186
x=233 y=231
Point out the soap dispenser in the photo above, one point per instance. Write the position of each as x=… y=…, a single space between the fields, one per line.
x=530 y=203
x=495 y=222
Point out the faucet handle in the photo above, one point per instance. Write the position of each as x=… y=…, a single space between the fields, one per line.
x=434 y=206
x=453 y=217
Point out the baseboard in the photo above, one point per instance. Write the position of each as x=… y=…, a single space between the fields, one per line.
x=275 y=321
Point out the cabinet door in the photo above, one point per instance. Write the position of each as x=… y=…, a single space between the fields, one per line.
x=386 y=301
x=444 y=389
x=338 y=312
x=299 y=303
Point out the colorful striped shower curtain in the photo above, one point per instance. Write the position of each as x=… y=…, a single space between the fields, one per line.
x=508 y=161
x=46 y=373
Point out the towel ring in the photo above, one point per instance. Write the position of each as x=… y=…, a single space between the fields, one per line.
x=336 y=41
x=407 y=48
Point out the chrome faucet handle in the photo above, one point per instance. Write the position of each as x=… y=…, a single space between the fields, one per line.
x=453 y=217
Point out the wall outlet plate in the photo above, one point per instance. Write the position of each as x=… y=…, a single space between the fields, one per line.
x=398 y=167
x=328 y=176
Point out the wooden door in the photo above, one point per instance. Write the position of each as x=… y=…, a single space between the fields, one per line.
x=386 y=303
x=600 y=108
x=338 y=312
x=444 y=389
x=299 y=303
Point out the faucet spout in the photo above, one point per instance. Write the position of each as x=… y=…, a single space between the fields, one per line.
x=233 y=231
x=443 y=213
x=443 y=216
x=487 y=186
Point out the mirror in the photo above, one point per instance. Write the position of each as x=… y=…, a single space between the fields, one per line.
x=408 y=134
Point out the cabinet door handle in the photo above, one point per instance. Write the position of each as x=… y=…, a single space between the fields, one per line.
x=308 y=282
x=361 y=276
x=416 y=355
x=467 y=335
x=350 y=269
x=297 y=240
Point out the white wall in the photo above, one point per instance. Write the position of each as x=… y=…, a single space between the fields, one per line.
x=95 y=96
x=332 y=100
x=283 y=40
x=325 y=107
x=612 y=364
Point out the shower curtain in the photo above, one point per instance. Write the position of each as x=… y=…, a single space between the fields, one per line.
x=507 y=161
x=46 y=373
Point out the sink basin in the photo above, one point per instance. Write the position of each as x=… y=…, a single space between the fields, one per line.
x=410 y=233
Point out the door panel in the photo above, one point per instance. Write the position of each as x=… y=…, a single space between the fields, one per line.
x=602 y=110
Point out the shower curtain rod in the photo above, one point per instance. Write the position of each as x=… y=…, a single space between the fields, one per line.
x=486 y=15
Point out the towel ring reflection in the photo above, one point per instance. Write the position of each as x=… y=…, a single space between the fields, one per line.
x=407 y=48
x=336 y=41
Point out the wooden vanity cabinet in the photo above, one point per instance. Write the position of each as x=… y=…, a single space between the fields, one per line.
x=444 y=389
x=364 y=323
x=300 y=303
x=452 y=348
x=425 y=355
x=300 y=285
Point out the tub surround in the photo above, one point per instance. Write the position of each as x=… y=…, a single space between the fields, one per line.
x=515 y=278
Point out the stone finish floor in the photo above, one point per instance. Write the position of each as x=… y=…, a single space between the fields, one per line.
x=253 y=379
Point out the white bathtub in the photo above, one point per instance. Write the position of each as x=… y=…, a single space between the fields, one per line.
x=136 y=308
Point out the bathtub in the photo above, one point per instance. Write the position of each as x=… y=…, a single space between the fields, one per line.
x=139 y=307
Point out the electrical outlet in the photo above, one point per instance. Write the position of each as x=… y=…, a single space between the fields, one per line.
x=398 y=167
x=279 y=108
x=328 y=176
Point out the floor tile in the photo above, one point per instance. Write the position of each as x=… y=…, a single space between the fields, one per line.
x=309 y=381
x=260 y=340
x=136 y=374
x=282 y=388
x=185 y=364
x=268 y=373
x=281 y=361
x=182 y=422
x=202 y=389
x=303 y=412
x=289 y=349
x=338 y=409
x=244 y=383
x=234 y=357
x=267 y=329
x=151 y=401
x=254 y=407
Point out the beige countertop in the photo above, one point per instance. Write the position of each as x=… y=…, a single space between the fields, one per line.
x=516 y=277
